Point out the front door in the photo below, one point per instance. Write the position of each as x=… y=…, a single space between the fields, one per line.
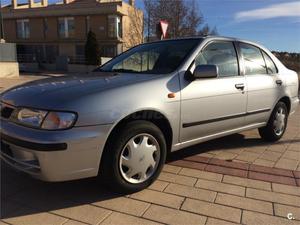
x=213 y=105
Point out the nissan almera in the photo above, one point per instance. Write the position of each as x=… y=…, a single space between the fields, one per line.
x=120 y=121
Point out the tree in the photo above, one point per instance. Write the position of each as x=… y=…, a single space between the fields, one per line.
x=206 y=30
x=135 y=20
x=92 y=51
x=149 y=17
x=183 y=17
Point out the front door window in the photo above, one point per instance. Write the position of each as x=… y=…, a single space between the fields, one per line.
x=223 y=55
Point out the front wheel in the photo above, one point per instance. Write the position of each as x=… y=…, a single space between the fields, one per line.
x=134 y=157
x=276 y=125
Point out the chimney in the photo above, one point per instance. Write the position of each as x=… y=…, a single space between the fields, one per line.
x=131 y=2
x=15 y=4
x=45 y=3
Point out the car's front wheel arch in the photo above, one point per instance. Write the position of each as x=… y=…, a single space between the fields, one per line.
x=143 y=147
x=152 y=116
x=286 y=100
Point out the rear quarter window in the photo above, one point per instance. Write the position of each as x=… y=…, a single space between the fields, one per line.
x=271 y=67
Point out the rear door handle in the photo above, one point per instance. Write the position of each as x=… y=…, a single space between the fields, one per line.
x=279 y=82
x=240 y=86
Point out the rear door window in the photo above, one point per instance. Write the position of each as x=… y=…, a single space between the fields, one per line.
x=253 y=60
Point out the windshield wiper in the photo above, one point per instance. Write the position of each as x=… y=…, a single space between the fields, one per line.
x=124 y=71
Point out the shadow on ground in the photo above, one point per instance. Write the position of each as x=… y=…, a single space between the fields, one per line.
x=23 y=195
x=234 y=141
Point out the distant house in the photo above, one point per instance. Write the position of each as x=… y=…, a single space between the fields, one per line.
x=45 y=31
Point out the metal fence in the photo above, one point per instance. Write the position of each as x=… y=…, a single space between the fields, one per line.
x=26 y=58
x=78 y=59
x=8 y=52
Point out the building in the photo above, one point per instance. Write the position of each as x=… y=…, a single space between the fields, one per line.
x=46 y=32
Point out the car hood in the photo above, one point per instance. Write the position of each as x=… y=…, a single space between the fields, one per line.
x=52 y=93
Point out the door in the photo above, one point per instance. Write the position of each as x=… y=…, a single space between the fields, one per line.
x=263 y=81
x=213 y=105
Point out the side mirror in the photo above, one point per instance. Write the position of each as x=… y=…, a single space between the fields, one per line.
x=205 y=71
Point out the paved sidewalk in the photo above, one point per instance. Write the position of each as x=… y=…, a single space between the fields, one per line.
x=248 y=147
x=180 y=196
x=237 y=179
x=201 y=190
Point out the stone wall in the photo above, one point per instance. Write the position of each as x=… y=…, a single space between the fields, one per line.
x=9 y=69
x=8 y=60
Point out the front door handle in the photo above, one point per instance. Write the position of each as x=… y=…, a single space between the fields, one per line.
x=240 y=86
x=279 y=82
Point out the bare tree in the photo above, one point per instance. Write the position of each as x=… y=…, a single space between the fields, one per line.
x=184 y=17
x=207 y=30
x=135 y=36
x=149 y=17
x=194 y=19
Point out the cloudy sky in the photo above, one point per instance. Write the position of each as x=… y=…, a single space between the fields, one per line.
x=273 y=23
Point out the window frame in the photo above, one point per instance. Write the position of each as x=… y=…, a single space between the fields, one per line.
x=236 y=53
x=22 y=35
x=118 y=31
x=66 y=27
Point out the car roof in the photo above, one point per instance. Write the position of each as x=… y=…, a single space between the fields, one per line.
x=211 y=38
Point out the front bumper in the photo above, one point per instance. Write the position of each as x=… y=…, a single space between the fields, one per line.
x=53 y=155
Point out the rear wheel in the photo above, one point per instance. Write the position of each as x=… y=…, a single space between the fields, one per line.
x=276 y=125
x=134 y=157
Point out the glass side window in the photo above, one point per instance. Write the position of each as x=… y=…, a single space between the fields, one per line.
x=253 y=60
x=23 y=29
x=66 y=27
x=270 y=64
x=114 y=26
x=221 y=54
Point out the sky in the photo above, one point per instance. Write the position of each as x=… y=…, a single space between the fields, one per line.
x=272 y=23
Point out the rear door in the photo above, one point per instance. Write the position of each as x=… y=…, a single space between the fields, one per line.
x=263 y=82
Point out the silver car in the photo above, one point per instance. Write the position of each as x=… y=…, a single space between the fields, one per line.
x=120 y=121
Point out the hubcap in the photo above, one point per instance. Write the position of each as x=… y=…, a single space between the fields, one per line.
x=279 y=122
x=139 y=158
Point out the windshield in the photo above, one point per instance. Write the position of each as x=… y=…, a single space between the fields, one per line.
x=153 y=58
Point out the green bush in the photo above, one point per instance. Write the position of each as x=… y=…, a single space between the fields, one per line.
x=92 y=51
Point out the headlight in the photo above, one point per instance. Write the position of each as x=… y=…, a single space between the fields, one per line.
x=30 y=117
x=45 y=119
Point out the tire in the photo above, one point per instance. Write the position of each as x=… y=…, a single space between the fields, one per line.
x=128 y=151
x=276 y=125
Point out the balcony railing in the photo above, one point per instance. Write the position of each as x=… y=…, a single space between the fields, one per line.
x=26 y=58
x=78 y=59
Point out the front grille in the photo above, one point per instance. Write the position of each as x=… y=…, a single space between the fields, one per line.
x=6 y=149
x=6 y=111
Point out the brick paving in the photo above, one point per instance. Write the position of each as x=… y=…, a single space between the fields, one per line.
x=237 y=179
x=180 y=196
x=247 y=148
